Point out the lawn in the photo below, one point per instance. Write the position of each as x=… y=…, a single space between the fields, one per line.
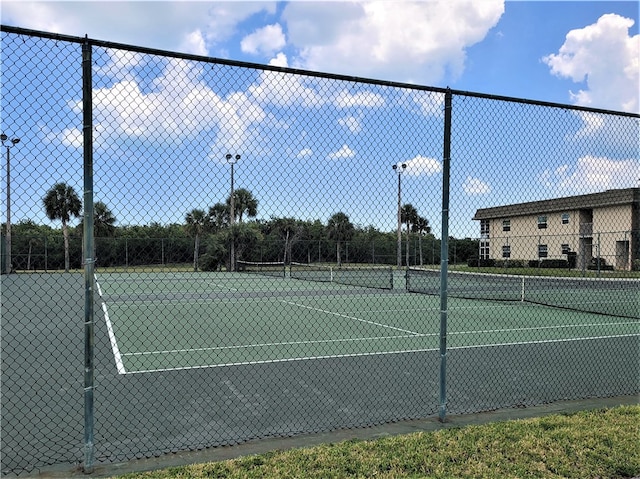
x=596 y=444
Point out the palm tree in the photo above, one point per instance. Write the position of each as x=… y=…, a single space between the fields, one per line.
x=340 y=229
x=408 y=215
x=103 y=223
x=197 y=224
x=243 y=202
x=61 y=203
x=103 y=220
x=242 y=237
x=422 y=227
x=218 y=216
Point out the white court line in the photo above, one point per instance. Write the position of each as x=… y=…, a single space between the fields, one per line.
x=340 y=315
x=112 y=336
x=379 y=353
x=372 y=338
x=537 y=328
x=289 y=343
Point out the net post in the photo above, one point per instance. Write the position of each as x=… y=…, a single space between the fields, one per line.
x=522 y=291
x=444 y=253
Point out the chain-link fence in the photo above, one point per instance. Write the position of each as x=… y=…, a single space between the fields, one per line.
x=200 y=252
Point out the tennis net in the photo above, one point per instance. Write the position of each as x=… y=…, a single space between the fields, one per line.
x=377 y=277
x=610 y=296
x=276 y=269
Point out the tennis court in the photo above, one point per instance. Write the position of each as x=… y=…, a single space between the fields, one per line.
x=220 y=358
x=170 y=321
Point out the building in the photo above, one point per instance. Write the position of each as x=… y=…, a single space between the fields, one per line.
x=580 y=229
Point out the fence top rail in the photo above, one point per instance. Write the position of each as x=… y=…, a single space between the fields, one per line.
x=295 y=71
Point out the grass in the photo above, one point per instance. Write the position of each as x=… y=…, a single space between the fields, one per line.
x=596 y=444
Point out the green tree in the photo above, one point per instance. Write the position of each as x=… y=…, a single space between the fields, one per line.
x=103 y=227
x=216 y=252
x=27 y=234
x=240 y=237
x=61 y=203
x=103 y=221
x=339 y=229
x=408 y=216
x=422 y=227
x=218 y=216
x=243 y=203
x=197 y=224
x=289 y=230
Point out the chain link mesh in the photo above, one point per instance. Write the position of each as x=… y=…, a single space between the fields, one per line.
x=268 y=253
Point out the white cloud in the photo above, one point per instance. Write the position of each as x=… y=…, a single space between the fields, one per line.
x=194 y=43
x=430 y=103
x=343 y=152
x=475 y=186
x=352 y=123
x=266 y=40
x=304 y=153
x=365 y=99
x=422 y=165
x=269 y=90
x=138 y=22
x=592 y=174
x=606 y=57
x=179 y=108
x=280 y=60
x=592 y=124
x=411 y=41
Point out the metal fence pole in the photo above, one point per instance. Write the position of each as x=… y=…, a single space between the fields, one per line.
x=89 y=260
x=444 y=253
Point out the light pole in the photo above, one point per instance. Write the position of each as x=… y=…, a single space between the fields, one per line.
x=13 y=142
x=399 y=168
x=232 y=160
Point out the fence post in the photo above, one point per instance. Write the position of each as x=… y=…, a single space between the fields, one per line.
x=89 y=261
x=444 y=253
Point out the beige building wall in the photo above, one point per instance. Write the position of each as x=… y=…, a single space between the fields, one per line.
x=604 y=225
x=612 y=235
x=605 y=236
x=525 y=236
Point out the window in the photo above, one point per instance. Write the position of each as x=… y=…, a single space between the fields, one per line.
x=542 y=222
x=484 y=228
x=542 y=251
x=566 y=249
x=565 y=218
x=484 y=249
x=506 y=251
x=506 y=225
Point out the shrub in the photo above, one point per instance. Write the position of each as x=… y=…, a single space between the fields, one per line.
x=486 y=263
x=600 y=264
x=554 y=263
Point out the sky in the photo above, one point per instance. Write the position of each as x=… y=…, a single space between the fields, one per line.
x=579 y=53
x=565 y=52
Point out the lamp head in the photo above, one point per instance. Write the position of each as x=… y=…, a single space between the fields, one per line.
x=3 y=137
x=15 y=141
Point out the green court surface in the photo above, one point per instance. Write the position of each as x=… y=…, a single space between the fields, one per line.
x=170 y=321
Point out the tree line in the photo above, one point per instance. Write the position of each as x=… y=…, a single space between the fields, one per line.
x=217 y=239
